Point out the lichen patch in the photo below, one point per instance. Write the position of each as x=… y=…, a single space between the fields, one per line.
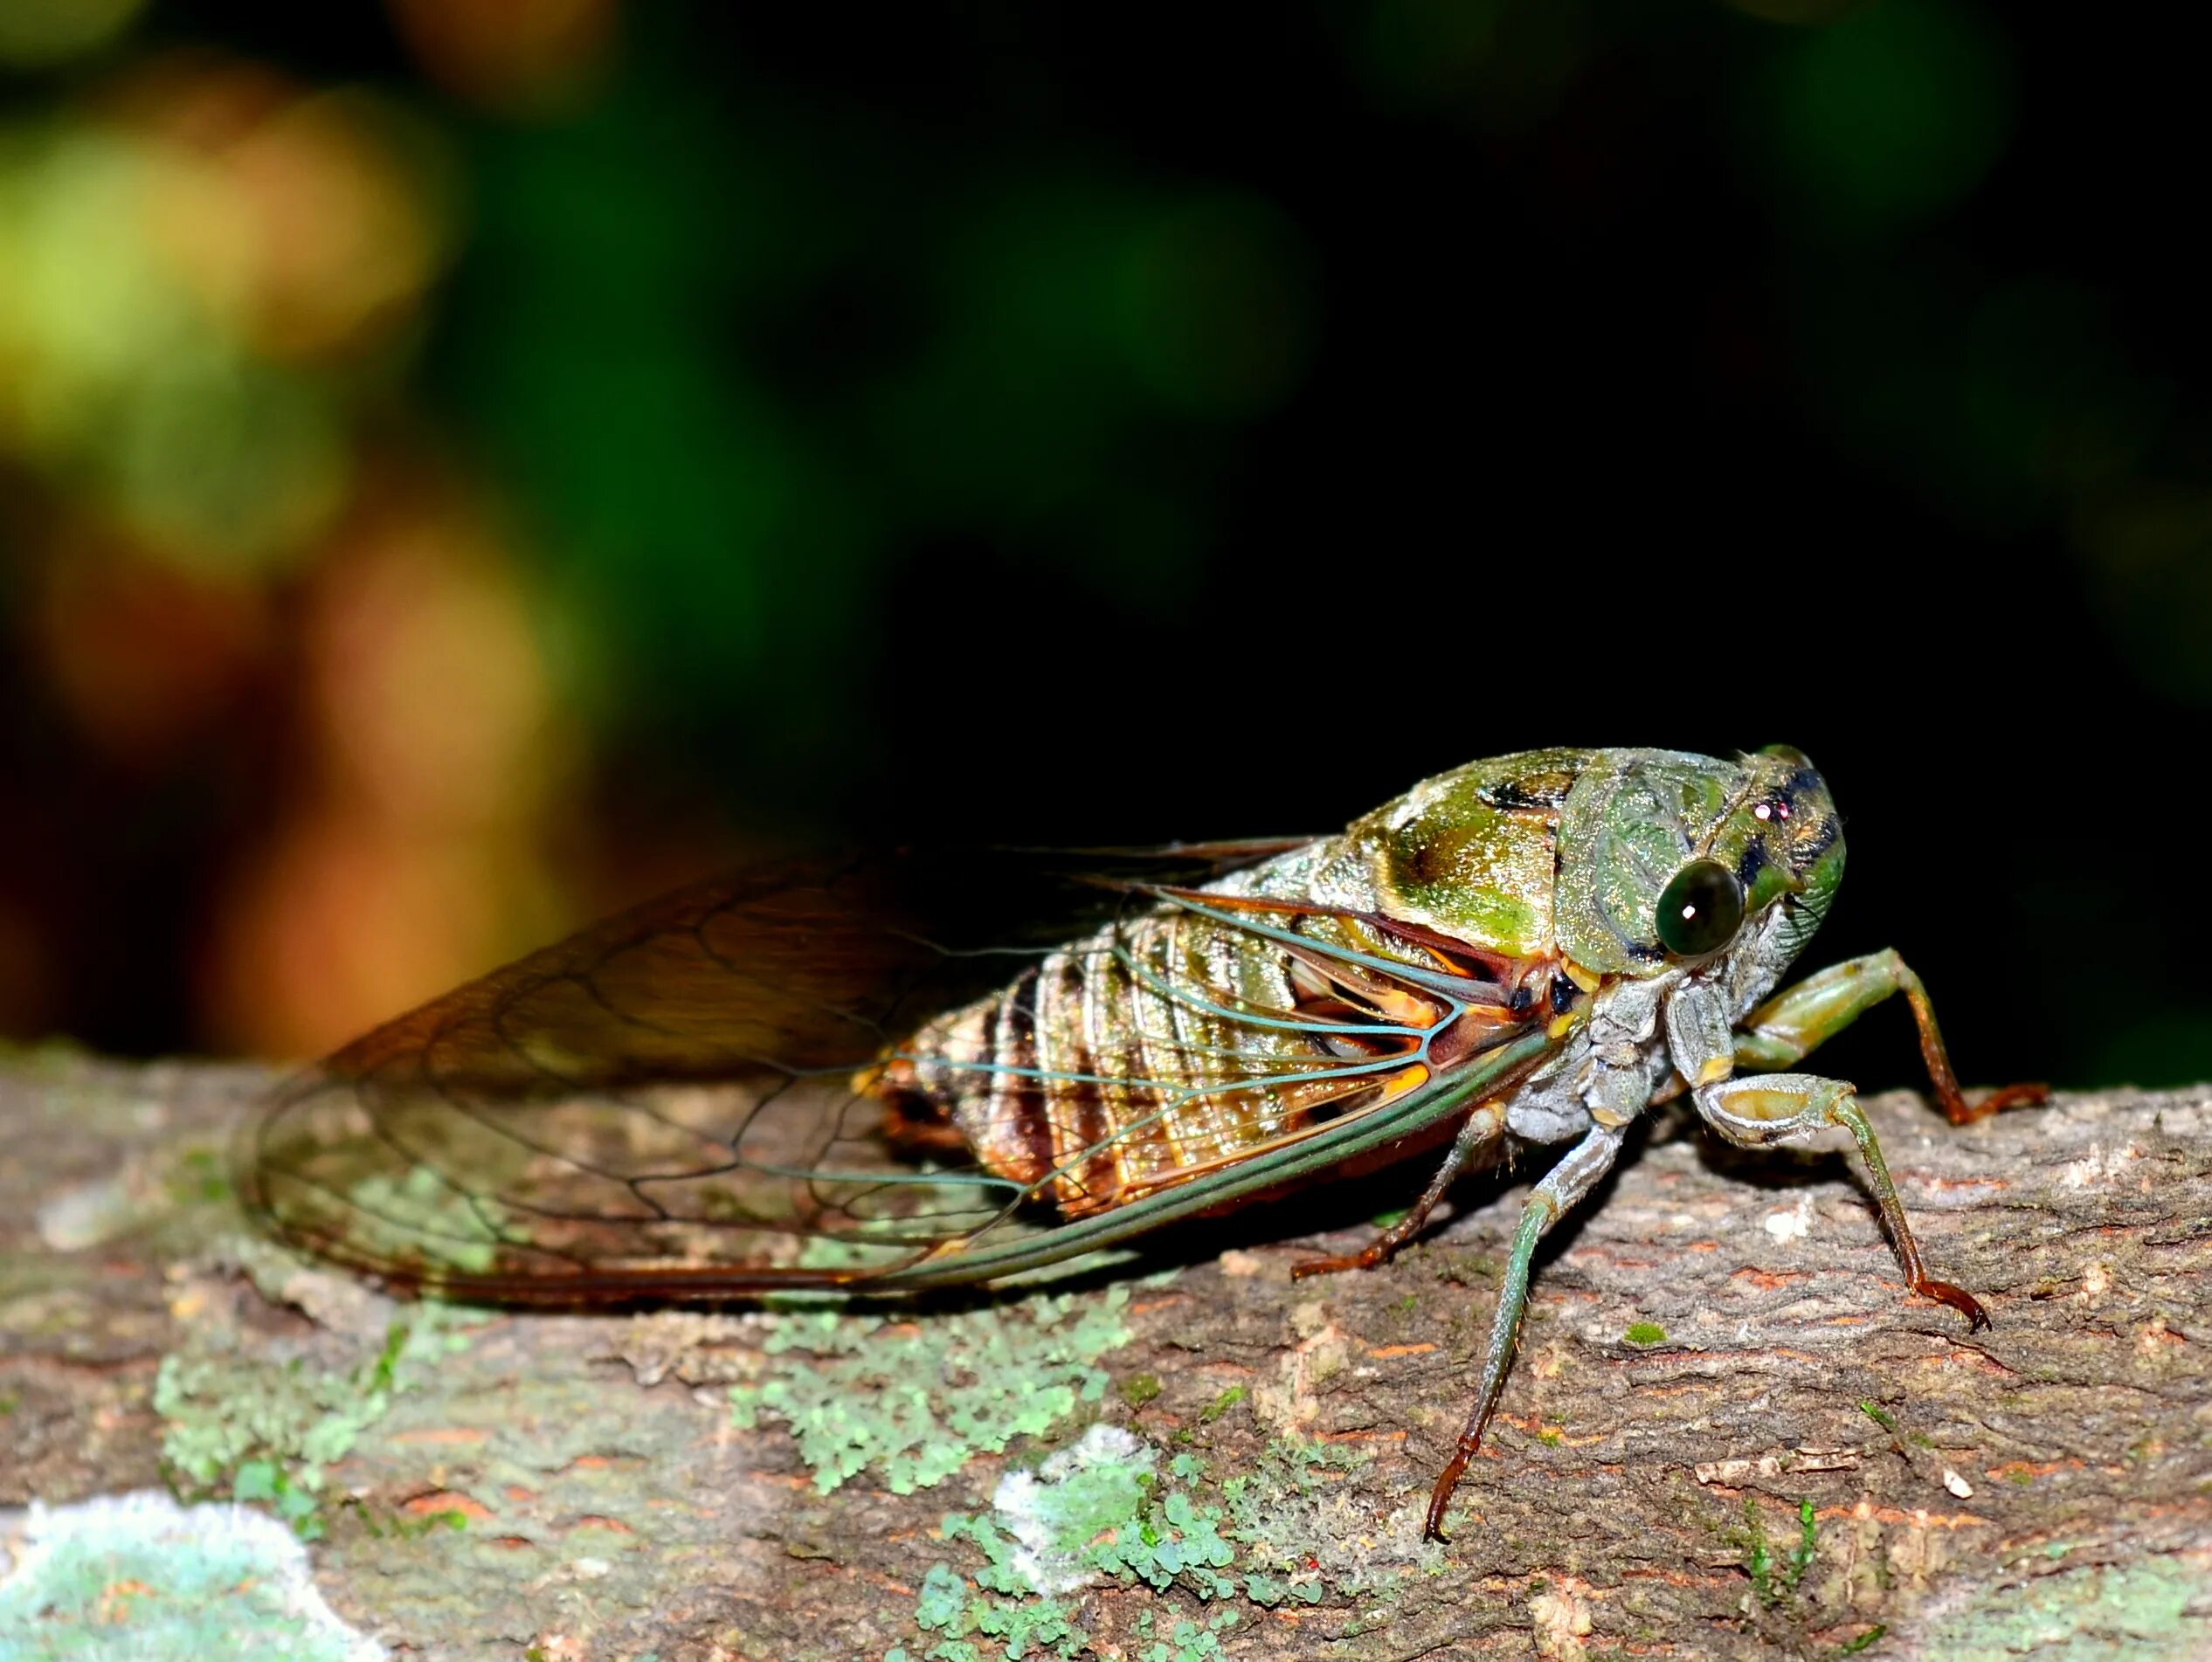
x=917 y=1400
x=139 y=1576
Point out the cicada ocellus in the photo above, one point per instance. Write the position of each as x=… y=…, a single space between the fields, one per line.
x=895 y=1073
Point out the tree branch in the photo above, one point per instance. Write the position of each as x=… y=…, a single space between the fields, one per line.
x=1728 y=1430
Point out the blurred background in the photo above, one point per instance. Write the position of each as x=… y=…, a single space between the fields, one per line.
x=466 y=463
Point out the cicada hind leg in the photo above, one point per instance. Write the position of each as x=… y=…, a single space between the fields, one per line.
x=1485 y=1125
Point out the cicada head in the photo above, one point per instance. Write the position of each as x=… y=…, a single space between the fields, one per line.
x=1667 y=857
x=1785 y=844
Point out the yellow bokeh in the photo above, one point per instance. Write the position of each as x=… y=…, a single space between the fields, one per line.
x=196 y=267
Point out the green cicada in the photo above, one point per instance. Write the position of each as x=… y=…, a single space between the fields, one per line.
x=895 y=1073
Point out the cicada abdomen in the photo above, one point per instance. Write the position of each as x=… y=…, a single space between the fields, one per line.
x=1222 y=1023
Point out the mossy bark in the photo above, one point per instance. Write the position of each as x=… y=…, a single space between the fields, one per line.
x=1728 y=1431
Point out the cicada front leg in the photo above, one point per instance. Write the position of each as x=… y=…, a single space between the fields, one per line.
x=1782 y=1107
x=1782 y=1032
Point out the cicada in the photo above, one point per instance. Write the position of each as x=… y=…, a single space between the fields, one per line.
x=898 y=1073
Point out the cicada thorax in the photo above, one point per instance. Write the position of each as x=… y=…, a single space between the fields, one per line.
x=1184 y=1040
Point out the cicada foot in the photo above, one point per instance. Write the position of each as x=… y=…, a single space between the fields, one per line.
x=1957 y=1298
x=1959 y=1111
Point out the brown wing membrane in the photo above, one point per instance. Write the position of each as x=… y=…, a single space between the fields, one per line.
x=668 y=1104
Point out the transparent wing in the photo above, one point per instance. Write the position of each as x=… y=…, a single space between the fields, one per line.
x=676 y=1103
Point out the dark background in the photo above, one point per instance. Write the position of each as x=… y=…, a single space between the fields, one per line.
x=470 y=463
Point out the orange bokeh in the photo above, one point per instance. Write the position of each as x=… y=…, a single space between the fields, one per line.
x=515 y=56
x=409 y=856
x=145 y=655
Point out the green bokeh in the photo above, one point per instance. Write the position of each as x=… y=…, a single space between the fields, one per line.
x=1893 y=114
x=740 y=359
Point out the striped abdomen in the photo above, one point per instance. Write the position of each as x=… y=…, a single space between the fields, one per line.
x=1174 y=1043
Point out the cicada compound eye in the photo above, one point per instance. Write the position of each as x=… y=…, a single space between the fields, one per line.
x=1700 y=910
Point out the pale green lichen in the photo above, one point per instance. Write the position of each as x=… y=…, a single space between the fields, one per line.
x=917 y=1400
x=138 y=1576
x=1281 y=1533
x=1092 y=1511
x=253 y=1428
x=2099 y=1613
x=1298 y=1526
x=1077 y=1499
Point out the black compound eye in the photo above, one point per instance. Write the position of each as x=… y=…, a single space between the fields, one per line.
x=1700 y=910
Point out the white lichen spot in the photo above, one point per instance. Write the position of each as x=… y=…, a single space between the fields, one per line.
x=2099 y=1166
x=1291 y=1402
x=1957 y=1484
x=1733 y=1473
x=87 y=1215
x=1793 y=1222
x=1816 y=1457
x=1237 y=1262
x=591 y=1569
x=1561 y=1616
x=164 y=1583
x=1050 y=1511
x=2154 y=1336
x=2097 y=1281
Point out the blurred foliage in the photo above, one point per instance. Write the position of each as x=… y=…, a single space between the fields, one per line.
x=1892 y=113
x=466 y=462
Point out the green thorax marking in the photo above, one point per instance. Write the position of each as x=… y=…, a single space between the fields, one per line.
x=1472 y=852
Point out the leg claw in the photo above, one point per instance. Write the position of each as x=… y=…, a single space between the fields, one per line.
x=1441 y=1496
x=1305 y=1267
x=2009 y=1096
x=1959 y=1299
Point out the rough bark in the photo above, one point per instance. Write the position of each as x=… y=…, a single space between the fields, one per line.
x=1719 y=1339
